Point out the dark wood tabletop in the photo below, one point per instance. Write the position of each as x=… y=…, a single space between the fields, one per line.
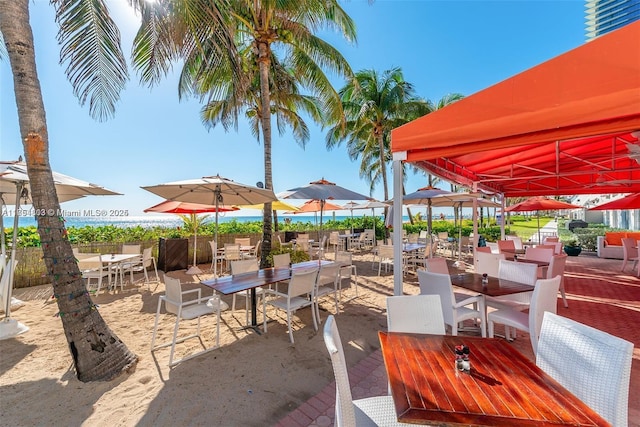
x=502 y=388
x=250 y=281
x=494 y=288
x=241 y=282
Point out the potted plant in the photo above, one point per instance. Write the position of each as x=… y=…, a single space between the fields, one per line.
x=572 y=248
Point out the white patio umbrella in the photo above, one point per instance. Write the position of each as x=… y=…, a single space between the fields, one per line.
x=424 y=196
x=14 y=188
x=373 y=205
x=212 y=190
x=350 y=206
x=462 y=200
x=322 y=190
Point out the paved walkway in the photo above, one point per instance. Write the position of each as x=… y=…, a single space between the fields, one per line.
x=598 y=294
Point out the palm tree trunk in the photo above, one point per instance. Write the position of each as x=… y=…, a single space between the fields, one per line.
x=265 y=98
x=98 y=354
x=383 y=170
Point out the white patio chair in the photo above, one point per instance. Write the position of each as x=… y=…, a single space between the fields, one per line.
x=520 y=272
x=130 y=265
x=95 y=270
x=454 y=311
x=385 y=256
x=327 y=284
x=175 y=304
x=419 y=314
x=372 y=411
x=544 y=298
x=300 y=294
x=517 y=242
x=302 y=242
x=592 y=364
x=540 y=253
x=336 y=242
x=231 y=253
x=282 y=260
x=317 y=249
x=629 y=252
x=556 y=268
x=439 y=265
x=506 y=246
x=436 y=265
x=347 y=269
x=488 y=263
x=245 y=266
x=217 y=255
x=242 y=241
x=148 y=260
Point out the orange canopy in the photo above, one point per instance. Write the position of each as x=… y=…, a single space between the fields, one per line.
x=567 y=126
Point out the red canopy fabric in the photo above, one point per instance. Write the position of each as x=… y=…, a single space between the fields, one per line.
x=632 y=201
x=567 y=126
x=540 y=204
x=170 y=206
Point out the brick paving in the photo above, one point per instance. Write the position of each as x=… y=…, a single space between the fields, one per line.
x=599 y=295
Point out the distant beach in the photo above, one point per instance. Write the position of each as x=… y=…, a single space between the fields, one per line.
x=150 y=221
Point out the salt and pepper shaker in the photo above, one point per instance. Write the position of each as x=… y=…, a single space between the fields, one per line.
x=485 y=278
x=462 y=358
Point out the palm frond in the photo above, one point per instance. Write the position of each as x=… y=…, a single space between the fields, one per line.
x=90 y=45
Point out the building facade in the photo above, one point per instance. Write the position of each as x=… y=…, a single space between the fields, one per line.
x=603 y=16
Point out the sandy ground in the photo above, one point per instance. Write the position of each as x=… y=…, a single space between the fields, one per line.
x=252 y=379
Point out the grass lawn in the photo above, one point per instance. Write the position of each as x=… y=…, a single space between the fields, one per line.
x=526 y=229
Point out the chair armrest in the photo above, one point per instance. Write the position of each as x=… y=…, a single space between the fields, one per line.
x=471 y=300
x=199 y=299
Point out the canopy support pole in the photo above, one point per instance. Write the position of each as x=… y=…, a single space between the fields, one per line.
x=398 y=266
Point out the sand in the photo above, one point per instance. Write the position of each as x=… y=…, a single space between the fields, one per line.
x=251 y=380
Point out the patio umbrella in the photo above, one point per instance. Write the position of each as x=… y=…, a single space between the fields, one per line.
x=315 y=206
x=538 y=204
x=631 y=201
x=14 y=188
x=350 y=206
x=212 y=190
x=278 y=205
x=322 y=190
x=424 y=196
x=461 y=200
x=373 y=205
x=192 y=209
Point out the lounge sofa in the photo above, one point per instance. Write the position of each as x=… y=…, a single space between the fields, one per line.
x=610 y=245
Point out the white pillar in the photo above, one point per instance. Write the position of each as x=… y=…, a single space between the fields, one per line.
x=398 y=157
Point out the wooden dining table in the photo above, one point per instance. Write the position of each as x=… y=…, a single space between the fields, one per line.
x=227 y=285
x=502 y=387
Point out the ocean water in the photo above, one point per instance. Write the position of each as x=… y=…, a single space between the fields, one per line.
x=150 y=221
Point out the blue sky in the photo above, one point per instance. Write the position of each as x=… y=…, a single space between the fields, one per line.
x=441 y=46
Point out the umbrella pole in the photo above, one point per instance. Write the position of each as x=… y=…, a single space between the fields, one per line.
x=4 y=249
x=10 y=265
x=193 y=270
x=539 y=241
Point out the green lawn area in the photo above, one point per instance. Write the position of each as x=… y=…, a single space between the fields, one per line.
x=525 y=229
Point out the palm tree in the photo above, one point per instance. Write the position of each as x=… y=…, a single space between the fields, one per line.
x=97 y=71
x=285 y=25
x=374 y=105
x=218 y=89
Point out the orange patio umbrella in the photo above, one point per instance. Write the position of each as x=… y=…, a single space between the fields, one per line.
x=316 y=206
